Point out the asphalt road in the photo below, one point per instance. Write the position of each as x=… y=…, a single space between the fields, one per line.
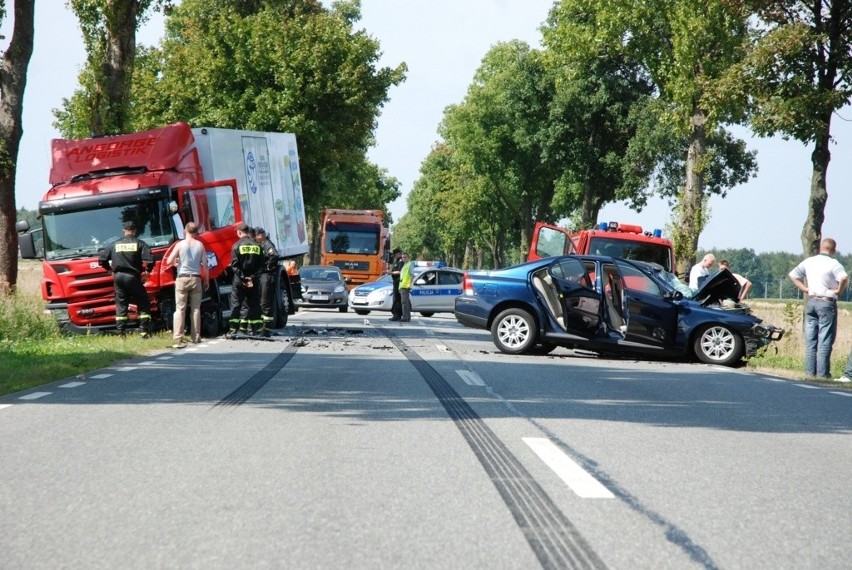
x=352 y=442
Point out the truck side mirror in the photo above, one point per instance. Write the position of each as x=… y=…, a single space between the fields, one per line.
x=22 y=226
x=26 y=244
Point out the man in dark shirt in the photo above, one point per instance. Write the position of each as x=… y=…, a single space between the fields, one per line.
x=267 y=280
x=130 y=260
x=396 y=267
x=246 y=262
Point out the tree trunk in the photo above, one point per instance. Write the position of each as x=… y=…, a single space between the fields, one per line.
x=821 y=156
x=13 y=82
x=112 y=95
x=691 y=212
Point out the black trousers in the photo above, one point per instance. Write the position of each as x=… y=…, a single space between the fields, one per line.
x=245 y=305
x=396 y=308
x=129 y=289
x=267 y=295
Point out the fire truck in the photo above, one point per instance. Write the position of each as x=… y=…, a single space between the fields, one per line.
x=161 y=179
x=357 y=242
x=612 y=239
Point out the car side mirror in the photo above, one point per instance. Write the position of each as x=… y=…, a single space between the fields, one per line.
x=676 y=296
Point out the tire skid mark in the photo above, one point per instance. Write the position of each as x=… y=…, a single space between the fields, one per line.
x=251 y=386
x=552 y=537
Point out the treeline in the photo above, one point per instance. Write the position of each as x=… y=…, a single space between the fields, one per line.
x=623 y=101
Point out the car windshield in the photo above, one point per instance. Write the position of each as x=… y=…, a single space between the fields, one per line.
x=319 y=274
x=672 y=281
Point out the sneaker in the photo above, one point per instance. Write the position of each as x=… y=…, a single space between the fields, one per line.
x=843 y=379
x=179 y=344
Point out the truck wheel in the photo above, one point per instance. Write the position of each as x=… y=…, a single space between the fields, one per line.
x=212 y=321
x=167 y=312
x=717 y=344
x=514 y=331
x=281 y=308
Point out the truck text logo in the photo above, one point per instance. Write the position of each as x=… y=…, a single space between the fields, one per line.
x=88 y=153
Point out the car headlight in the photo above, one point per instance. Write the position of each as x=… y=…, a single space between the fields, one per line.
x=339 y=289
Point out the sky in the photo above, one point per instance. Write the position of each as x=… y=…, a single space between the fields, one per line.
x=443 y=43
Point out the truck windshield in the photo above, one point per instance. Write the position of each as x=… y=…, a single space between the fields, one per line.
x=629 y=249
x=81 y=233
x=351 y=238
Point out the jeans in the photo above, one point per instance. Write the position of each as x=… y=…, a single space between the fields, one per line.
x=405 y=302
x=820 y=332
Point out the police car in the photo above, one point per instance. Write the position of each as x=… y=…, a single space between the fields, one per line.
x=434 y=289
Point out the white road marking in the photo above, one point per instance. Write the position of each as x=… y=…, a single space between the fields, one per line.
x=35 y=395
x=583 y=484
x=470 y=378
x=72 y=384
x=5 y=406
x=849 y=394
x=126 y=369
x=147 y=363
x=164 y=358
x=100 y=376
x=809 y=387
x=772 y=379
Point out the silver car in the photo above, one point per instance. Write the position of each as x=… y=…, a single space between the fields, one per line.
x=323 y=286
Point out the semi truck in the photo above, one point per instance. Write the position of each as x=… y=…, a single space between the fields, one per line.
x=612 y=239
x=161 y=179
x=357 y=242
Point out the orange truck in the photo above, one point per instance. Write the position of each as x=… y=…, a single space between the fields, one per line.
x=357 y=242
x=612 y=239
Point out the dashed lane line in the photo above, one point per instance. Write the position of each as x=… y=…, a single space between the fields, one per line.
x=71 y=384
x=100 y=376
x=847 y=394
x=578 y=479
x=35 y=395
x=470 y=378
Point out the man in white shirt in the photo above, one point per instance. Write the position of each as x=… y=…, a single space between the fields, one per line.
x=745 y=284
x=823 y=279
x=190 y=259
x=700 y=271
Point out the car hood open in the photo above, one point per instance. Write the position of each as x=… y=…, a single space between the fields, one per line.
x=719 y=287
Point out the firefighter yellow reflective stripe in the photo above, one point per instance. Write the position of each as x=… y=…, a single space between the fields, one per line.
x=248 y=249
x=126 y=247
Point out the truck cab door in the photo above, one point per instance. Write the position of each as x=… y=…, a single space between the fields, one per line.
x=576 y=296
x=215 y=207
x=549 y=240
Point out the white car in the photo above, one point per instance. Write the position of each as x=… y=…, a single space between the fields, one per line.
x=433 y=290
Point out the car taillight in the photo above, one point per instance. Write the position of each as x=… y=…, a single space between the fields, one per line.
x=467 y=284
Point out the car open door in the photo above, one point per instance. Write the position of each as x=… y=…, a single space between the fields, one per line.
x=548 y=240
x=650 y=319
x=577 y=300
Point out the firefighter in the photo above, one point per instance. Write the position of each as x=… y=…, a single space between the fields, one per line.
x=130 y=261
x=267 y=280
x=246 y=263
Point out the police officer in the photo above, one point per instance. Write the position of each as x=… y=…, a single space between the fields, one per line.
x=396 y=268
x=267 y=280
x=130 y=260
x=246 y=263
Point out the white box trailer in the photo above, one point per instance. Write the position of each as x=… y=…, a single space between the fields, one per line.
x=266 y=168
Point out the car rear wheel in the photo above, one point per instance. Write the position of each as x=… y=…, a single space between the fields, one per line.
x=717 y=344
x=514 y=331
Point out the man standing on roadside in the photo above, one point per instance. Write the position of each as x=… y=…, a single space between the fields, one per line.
x=396 y=268
x=267 y=280
x=190 y=259
x=700 y=271
x=246 y=262
x=822 y=278
x=405 y=279
x=130 y=260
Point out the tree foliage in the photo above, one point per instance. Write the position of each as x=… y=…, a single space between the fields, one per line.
x=797 y=74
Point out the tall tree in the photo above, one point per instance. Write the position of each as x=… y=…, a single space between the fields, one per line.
x=109 y=35
x=497 y=130
x=13 y=81
x=798 y=74
x=684 y=47
x=273 y=65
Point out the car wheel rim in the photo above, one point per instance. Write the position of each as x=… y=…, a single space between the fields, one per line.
x=513 y=331
x=718 y=343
